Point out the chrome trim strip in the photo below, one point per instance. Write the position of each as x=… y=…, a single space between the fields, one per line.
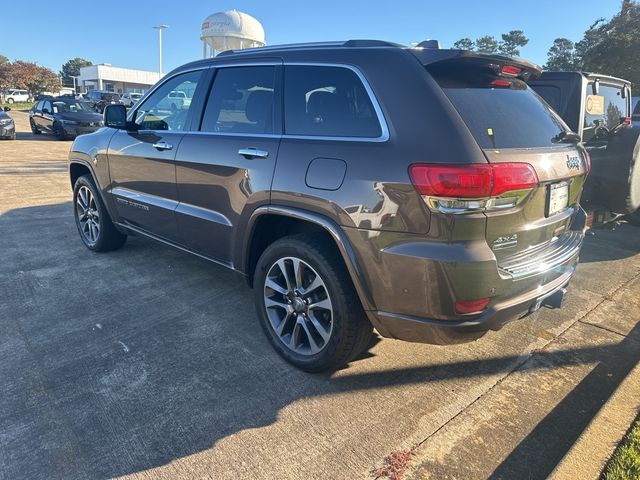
x=202 y=213
x=542 y=258
x=146 y=199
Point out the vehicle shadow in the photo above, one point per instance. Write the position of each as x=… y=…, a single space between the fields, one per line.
x=610 y=243
x=118 y=363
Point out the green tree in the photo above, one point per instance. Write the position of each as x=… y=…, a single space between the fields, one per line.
x=487 y=44
x=613 y=47
x=464 y=44
x=511 y=43
x=72 y=69
x=562 y=56
x=3 y=60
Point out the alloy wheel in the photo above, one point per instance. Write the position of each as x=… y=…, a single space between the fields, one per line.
x=88 y=215
x=298 y=306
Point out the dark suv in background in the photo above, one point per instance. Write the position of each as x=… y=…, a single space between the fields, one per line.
x=99 y=99
x=427 y=193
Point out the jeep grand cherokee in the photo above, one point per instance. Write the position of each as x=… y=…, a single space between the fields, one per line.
x=428 y=193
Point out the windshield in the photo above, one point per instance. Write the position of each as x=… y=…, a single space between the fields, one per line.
x=506 y=115
x=71 y=106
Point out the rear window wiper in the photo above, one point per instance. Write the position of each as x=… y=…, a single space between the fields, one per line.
x=566 y=137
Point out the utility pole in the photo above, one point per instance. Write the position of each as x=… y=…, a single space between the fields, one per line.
x=160 y=28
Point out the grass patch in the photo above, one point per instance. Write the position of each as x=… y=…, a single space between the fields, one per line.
x=19 y=105
x=625 y=461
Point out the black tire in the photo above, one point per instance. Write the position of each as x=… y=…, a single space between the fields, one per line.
x=351 y=330
x=34 y=129
x=10 y=100
x=59 y=131
x=108 y=237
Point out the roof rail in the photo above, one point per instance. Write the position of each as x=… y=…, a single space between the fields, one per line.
x=296 y=46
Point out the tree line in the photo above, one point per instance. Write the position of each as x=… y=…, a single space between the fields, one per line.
x=610 y=47
x=36 y=78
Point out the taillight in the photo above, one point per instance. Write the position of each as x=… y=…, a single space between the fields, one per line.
x=471 y=306
x=501 y=83
x=587 y=159
x=626 y=120
x=512 y=176
x=450 y=187
x=465 y=181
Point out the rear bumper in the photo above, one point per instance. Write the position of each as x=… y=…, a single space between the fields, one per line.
x=425 y=330
x=415 y=283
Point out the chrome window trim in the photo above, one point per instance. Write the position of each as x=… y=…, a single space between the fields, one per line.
x=384 y=128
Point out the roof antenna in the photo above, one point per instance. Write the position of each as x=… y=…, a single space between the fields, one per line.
x=432 y=44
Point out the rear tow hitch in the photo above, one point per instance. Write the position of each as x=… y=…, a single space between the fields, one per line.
x=556 y=299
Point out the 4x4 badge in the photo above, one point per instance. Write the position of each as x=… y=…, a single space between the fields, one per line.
x=573 y=162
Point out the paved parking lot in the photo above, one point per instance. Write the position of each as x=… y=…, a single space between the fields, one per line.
x=149 y=363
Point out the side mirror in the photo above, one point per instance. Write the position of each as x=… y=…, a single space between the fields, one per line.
x=46 y=110
x=115 y=116
x=7 y=109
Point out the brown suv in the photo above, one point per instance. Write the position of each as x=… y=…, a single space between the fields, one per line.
x=428 y=193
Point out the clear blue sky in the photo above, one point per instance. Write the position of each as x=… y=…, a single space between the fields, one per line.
x=120 y=33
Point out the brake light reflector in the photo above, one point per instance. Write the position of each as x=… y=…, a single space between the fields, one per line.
x=510 y=70
x=471 y=306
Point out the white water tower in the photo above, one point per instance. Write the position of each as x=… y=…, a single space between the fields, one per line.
x=230 y=30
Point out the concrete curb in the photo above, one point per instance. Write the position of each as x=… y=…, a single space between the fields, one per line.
x=590 y=453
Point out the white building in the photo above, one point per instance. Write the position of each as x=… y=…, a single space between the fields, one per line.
x=115 y=79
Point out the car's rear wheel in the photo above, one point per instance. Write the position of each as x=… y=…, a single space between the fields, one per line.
x=307 y=304
x=92 y=218
x=34 y=129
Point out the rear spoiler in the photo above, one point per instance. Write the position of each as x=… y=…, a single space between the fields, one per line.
x=437 y=59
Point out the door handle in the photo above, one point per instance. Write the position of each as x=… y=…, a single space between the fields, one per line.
x=253 y=153
x=162 y=146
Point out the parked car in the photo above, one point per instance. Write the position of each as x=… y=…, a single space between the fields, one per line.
x=130 y=98
x=636 y=112
x=16 y=95
x=7 y=125
x=598 y=108
x=65 y=117
x=176 y=100
x=279 y=165
x=99 y=99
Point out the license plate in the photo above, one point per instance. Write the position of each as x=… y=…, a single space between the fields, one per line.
x=558 y=198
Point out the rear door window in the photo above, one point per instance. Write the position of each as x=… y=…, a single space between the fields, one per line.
x=242 y=100
x=507 y=116
x=327 y=101
x=604 y=109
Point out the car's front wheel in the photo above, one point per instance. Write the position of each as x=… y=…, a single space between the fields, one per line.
x=92 y=219
x=34 y=129
x=10 y=100
x=307 y=304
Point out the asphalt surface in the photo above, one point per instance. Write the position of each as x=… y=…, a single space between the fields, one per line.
x=149 y=363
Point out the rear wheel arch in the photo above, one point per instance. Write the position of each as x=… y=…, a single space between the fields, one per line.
x=269 y=224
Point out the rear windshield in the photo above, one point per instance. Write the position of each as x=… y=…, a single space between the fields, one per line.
x=511 y=116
